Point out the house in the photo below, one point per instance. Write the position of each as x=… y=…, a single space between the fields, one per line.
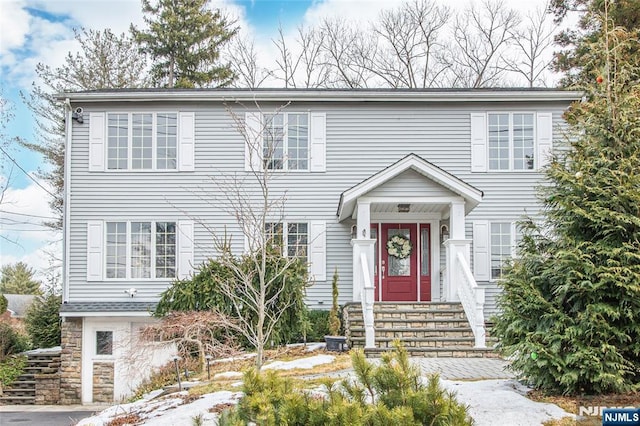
x=412 y=195
x=17 y=304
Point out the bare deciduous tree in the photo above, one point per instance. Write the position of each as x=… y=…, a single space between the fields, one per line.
x=533 y=42
x=409 y=39
x=206 y=330
x=480 y=37
x=257 y=278
x=243 y=58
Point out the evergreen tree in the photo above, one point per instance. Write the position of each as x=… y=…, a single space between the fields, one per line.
x=183 y=39
x=42 y=321
x=570 y=310
x=18 y=279
x=105 y=60
x=574 y=60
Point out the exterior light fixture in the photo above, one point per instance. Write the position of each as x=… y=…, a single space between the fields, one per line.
x=404 y=208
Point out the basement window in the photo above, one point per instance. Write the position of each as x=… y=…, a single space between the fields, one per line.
x=104 y=342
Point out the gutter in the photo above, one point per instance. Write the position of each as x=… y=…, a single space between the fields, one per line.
x=279 y=95
x=67 y=197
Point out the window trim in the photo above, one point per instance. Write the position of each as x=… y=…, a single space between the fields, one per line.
x=128 y=277
x=285 y=235
x=511 y=169
x=154 y=142
x=513 y=229
x=96 y=355
x=285 y=138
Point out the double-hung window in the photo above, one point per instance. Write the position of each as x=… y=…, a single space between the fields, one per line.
x=140 y=250
x=142 y=141
x=286 y=141
x=511 y=141
x=504 y=239
x=292 y=237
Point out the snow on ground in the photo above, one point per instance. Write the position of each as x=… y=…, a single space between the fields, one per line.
x=166 y=412
x=228 y=375
x=302 y=363
x=310 y=347
x=503 y=402
x=491 y=402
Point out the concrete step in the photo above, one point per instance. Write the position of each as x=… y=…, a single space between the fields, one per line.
x=419 y=342
x=438 y=352
x=17 y=400
x=425 y=332
x=440 y=323
x=18 y=391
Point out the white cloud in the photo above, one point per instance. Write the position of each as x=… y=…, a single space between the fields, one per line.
x=14 y=25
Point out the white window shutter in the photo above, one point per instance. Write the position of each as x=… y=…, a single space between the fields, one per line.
x=97 y=129
x=318 y=142
x=479 y=149
x=481 y=258
x=253 y=141
x=544 y=132
x=95 y=247
x=185 y=248
x=318 y=250
x=186 y=141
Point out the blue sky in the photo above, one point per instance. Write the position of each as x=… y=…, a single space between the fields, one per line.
x=41 y=31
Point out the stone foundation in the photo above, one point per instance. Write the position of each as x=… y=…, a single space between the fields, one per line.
x=103 y=381
x=71 y=361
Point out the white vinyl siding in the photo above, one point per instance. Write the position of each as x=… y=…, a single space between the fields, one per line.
x=362 y=138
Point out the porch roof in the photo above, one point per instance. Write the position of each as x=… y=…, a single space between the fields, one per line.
x=348 y=199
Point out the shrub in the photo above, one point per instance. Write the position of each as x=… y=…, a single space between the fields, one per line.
x=319 y=328
x=11 y=341
x=334 y=323
x=42 y=321
x=10 y=368
x=199 y=293
x=389 y=394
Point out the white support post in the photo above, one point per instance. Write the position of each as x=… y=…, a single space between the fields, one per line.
x=364 y=220
x=456 y=242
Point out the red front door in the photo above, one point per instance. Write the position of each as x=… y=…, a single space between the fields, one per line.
x=399 y=273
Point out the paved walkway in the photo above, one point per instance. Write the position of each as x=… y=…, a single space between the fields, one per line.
x=465 y=368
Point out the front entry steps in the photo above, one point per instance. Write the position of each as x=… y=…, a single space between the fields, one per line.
x=427 y=329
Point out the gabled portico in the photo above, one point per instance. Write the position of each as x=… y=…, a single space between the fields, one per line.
x=412 y=199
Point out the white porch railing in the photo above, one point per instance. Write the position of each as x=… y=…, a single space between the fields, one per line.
x=471 y=297
x=367 y=300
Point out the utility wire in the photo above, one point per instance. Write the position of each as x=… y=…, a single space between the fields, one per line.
x=25 y=172
x=29 y=215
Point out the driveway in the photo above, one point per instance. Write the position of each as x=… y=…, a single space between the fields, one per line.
x=24 y=415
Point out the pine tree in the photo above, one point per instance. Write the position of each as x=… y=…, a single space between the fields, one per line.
x=105 y=61
x=577 y=43
x=571 y=302
x=43 y=321
x=183 y=39
x=18 y=279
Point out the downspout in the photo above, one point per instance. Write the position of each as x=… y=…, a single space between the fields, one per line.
x=67 y=197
